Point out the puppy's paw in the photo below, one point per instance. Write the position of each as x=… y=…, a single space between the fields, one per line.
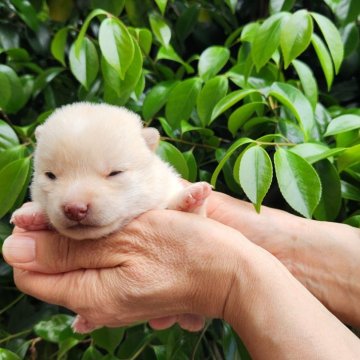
x=192 y=198
x=82 y=326
x=30 y=217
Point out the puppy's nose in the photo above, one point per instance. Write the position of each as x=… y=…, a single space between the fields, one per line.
x=76 y=211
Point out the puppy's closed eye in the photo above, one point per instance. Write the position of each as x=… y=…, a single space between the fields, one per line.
x=115 y=172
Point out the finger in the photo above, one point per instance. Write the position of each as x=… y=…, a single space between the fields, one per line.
x=49 y=252
x=163 y=322
x=191 y=322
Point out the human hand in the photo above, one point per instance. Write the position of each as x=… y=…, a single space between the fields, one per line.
x=147 y=271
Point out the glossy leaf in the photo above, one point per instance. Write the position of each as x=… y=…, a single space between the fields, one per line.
x=267 y=40
x=242 y=114
x=160 y=29
x=116 y=45
x=192 y=165
x=330 y=202
x=84 y=67
x=342 y=124
x=235 y=146
x=294 y=99
x=169 y=53
x=332 y=38
x=295 y=35
x=8 y=137
x=12 y=180
x=182 y=100
x=308 y=81
x=230 y=100
x=280 y=5
x=58 y=45
x=353 y=221
x=349 y=157
x=115 y=7
x=212 y=60
x=108 y=339
x=13 y=90
x=324 y=58
x=313 y=152
x=161 y=5
x=349 y=191
x=350 y=38
x=8 y=355
x=156 y=98
x=213 y=91
x=255 y=174
x=51 y=330
x=10 y=155
x=298 y=182
x=174 y=157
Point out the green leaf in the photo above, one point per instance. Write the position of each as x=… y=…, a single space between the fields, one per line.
x=156 y=98
x=353 y=221
x=242 y=114
x=144 y=38
x=182 y=100
x=12 y=180
x=255 y=174
x=173 y=156
x=314 y=152
x=231 y=4
x=350 y=38
x=236 y=145
x=13 y=90
x=267 y=40
x=308 y=81
x=192 y=165
x=84 y=67
x=8 y=355
x=8 y=137
x=160 y=29
x=52 y=330
x=349 y=157
x=342 y=124
x=298 y=182
x=122 y=87
x=115 y=7
x=58 y=45
x=299 y=105
x=230 y=100
x=212 y=60
x=92 y=353
x=332 y=38
x=44 y=79
x=108 y=339
x=295 y=35
x=280 y=5
x=349 y=191
x=330 y=202
x=27 y=13
x=10 y=155
x=161 y=5
x=116 y=45
x=213 y=91
x=324 y=58
x=168 y=53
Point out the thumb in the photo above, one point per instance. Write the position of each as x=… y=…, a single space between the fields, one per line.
x=50 y=252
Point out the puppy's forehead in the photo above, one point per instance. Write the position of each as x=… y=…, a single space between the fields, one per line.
x=88 y=131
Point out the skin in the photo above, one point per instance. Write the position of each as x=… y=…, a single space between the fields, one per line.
x=220 y=274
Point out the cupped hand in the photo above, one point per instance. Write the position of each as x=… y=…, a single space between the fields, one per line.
x=163 y=263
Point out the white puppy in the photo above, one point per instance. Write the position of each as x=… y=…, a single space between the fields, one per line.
x=95 y=170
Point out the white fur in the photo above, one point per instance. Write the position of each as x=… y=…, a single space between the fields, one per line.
x=82 y=144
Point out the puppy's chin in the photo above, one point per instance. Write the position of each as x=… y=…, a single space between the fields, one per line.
x=83 y=232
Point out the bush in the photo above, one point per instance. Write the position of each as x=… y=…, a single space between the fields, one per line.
x=259 y=98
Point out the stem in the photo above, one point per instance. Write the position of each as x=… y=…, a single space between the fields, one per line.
x=188 y=143
x=7 y=307
x=199 y=340
x=13 y=336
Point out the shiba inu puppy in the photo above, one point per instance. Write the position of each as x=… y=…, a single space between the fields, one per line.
x=95 y=170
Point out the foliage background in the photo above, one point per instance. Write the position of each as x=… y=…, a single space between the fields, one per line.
x=261 y=98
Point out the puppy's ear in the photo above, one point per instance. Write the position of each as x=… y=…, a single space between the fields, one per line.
x=38 y=131
x=152 y=137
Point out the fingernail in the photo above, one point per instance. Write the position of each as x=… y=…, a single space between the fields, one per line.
x=19 y=249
